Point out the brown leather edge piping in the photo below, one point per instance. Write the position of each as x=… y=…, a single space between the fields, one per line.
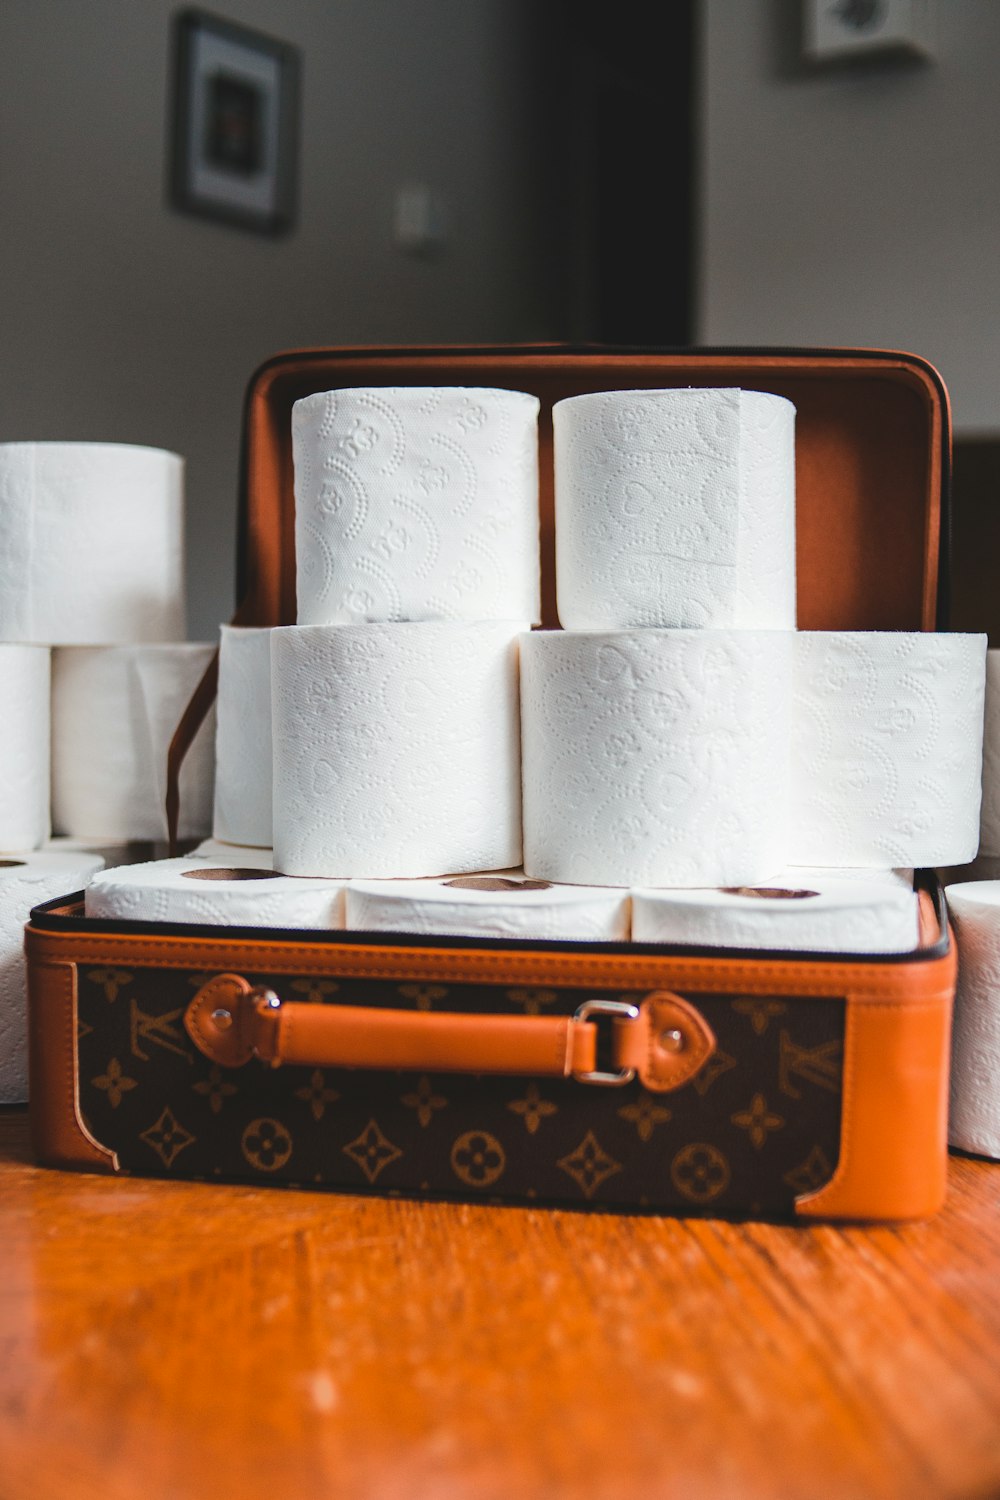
x=893 y=1139
x=888 y=982
x=58 y=1135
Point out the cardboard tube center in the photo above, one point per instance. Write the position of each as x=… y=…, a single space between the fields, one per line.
x=767 y=893
x=496 y=883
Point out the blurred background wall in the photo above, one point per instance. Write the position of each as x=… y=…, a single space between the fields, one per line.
x=854 y=205
x=125 y=320
x=638 y=173
x=858 y=205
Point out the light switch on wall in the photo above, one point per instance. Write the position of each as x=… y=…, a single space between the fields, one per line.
x=840 y=30
x=419 y=219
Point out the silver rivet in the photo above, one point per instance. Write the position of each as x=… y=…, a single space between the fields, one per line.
x=672 y=1041
x=264 y=996
x=223 y=1019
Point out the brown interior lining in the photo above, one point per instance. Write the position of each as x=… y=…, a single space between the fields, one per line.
x=870 y=434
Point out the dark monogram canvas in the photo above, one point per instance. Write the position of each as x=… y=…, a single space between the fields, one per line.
x=759 y=1125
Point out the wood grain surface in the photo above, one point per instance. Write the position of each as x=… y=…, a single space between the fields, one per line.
x=168 y=1339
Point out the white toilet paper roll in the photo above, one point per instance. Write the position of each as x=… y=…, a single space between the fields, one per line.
x=24 y=746
x=821 y=916
x=243 y=738
x=989 y=824
x=503 y=904
x=416 y=503
x=395 y=749
x=114 y=712
x=974 y=1120
x=26 y=880
x=196 y=890
x=234 y=854
x=887 y=748
x=91 y=542
x=655 y=756
x=675 y=508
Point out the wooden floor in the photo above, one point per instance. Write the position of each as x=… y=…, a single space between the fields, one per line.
x=182 y=1340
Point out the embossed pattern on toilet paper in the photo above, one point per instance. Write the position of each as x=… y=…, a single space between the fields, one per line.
x=198 y=890
x=243 y=770
x=416 y=503
x=572 y=913
x=887 y=748
x=675 y=508
x=395 y=749
x=974 y=1115
x=655 y=757
x=796 y=911
x=91 y=543
x=39 y=876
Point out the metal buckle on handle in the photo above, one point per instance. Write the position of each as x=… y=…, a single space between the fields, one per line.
x=262 y=995
x=623 y=1011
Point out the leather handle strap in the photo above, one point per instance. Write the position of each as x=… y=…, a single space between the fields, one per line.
x=191 y=721
x=193 y=717
x=351 y=1036
x=662 y=1038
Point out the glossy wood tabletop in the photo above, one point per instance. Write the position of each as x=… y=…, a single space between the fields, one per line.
x=168 y=1339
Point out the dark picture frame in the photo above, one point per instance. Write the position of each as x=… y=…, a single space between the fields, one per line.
x=235 y=125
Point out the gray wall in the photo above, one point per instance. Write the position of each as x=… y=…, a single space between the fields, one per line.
x=123 y=320
x=842 y=208
x=855 y=207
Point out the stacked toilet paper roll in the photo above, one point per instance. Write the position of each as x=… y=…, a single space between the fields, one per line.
x=819 y=915
x=24 y=746
x=887 y=748
x=243 y=739
x=502 y=904
x=114 y=712
x=197 y=890
x=655 y=756
x=396 y=748
x=91 y=542
x=675 y=508
x=416 y=503
x=26 y=880
x=974 y=1118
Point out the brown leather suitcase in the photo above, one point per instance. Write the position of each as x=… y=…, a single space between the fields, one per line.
x=600 y=1074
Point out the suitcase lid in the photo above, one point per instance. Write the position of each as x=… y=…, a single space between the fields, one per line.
x=873 y=442
x=872 y=470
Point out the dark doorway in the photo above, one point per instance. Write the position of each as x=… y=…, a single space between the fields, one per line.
x=618 y=106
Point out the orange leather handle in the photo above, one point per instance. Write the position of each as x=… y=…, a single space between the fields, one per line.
x=663 y=1039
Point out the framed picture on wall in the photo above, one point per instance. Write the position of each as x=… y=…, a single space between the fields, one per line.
x=235 y=124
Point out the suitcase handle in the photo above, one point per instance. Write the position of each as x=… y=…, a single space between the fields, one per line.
x=661 y=1038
